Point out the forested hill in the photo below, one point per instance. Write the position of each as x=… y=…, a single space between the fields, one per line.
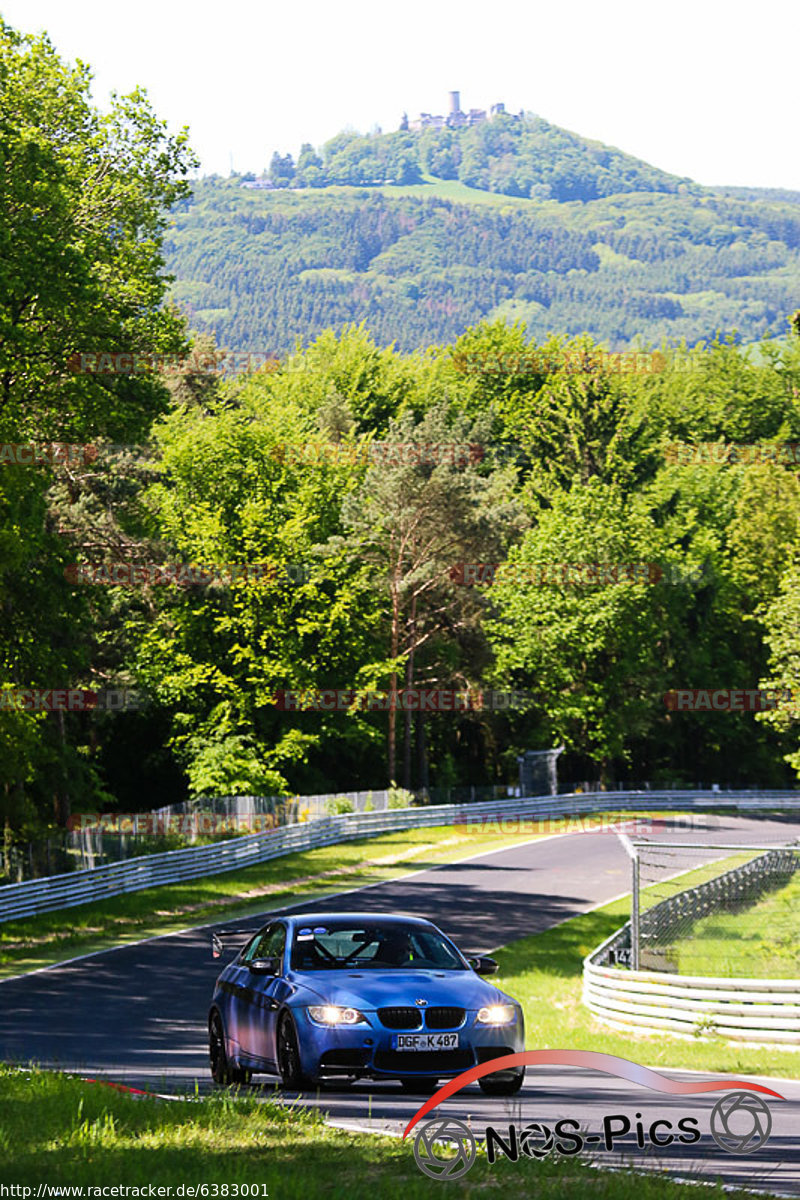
x=514 y=156
x=420 y=262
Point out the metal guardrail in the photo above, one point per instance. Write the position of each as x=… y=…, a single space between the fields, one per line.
x=766 y=1011
x=99 y=839
x=82 y=887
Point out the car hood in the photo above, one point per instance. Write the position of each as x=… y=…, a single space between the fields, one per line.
x=379 y=989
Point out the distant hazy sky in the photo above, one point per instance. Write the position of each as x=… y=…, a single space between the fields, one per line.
x=698 y=87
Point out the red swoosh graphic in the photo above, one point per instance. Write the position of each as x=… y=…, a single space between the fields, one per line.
x=118 y=1087
x=123 y=1087
x=610 y=1064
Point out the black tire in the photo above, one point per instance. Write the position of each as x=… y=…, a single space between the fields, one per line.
x=221 y=1070
x=289 y=1067
x=419 y=1087
x=491 y=1085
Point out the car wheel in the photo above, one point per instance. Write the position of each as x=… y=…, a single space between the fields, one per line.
x=492 y=1086
x=222 y=1072
x=419 y=1087
x=289 y=1067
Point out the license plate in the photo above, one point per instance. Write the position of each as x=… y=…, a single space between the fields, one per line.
x=425 y=1041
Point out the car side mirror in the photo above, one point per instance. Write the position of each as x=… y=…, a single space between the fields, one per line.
x=264 y=966
x=482 y=965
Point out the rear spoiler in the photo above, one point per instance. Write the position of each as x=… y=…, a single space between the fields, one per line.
x=217 y=938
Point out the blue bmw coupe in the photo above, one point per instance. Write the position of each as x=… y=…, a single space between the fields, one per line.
x=359 y=995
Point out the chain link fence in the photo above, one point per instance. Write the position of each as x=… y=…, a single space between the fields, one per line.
x=719 y=910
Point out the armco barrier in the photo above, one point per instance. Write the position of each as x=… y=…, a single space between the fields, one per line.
x=740 y=1010
x=80 y=887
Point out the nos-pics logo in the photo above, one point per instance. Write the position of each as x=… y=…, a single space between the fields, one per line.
x=445 y=1148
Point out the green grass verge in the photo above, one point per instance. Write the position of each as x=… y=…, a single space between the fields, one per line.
x=57 y=1130
x=760 y=942
x=545 y=972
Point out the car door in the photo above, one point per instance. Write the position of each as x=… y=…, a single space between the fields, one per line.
x=235 y=993
x=263 y=994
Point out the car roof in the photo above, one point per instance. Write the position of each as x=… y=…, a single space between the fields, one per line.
x=316 y=918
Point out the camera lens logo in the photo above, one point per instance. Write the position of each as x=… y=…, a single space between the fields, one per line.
x=536 y=1140
x=448 y=1161
x=740 y=1122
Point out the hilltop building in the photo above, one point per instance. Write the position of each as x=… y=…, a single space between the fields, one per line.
x=456 y=118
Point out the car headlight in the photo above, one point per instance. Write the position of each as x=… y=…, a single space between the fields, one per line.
x=496 y=1014
x=331 y=1014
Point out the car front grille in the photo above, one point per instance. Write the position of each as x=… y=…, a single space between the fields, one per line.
x=432 y=1062
x=400 y=1018
x=444 y=1018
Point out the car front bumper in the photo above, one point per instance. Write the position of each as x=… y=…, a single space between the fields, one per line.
x=369 y=1050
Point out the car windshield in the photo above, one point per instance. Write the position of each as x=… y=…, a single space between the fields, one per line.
x=379 y=947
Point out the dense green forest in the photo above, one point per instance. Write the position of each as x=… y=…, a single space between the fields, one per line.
x=262 y=269
x=319 y=469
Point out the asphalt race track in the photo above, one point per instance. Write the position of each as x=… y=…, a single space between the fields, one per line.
x=137 y=1014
